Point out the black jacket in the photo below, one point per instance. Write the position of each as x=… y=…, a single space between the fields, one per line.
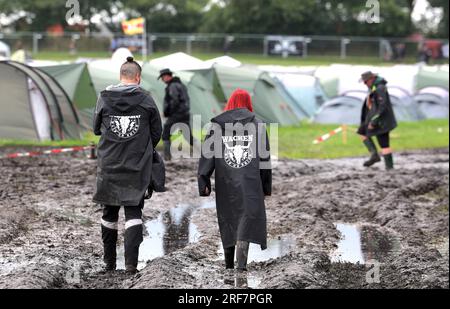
x=176 y=101
x=381 y=115
x=129 y=123
x=243 y=177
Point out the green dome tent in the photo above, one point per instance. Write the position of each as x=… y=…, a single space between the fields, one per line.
x=77 y=83
x=268 y=101
x=37 y=107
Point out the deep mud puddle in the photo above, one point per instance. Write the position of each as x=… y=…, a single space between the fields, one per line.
x=172 y=231
x=276 y=248
x=361 y=244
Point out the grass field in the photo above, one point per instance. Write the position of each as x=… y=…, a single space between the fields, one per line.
x=297 y=142
x=244 y=58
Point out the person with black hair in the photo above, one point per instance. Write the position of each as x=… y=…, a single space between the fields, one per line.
x=177 y=110
x=129 y=123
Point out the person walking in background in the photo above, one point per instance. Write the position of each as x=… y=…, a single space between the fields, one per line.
x=177 y=110
x=242 y=180
x=377 y=120
x=129 y=123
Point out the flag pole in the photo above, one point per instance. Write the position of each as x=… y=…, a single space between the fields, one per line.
x=144 y=38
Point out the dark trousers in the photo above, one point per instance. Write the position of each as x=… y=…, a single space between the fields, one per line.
x=384 y=140
x=133 y=233
x=170 y=122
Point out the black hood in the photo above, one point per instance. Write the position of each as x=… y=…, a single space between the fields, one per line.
x=123 y=101
x=380 y=81
x=175 y=80
x=239 y=115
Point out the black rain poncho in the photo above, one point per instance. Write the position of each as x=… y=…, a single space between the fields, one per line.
x=129 y=123
x=243 y=177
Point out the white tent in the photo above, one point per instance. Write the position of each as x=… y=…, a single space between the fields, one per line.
x=121 y=55
x=226 y=61
x=39 y=111
x=5 y=51
x=179 y=62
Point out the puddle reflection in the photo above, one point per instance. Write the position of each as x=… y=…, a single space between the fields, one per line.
x=172 y=231
x=362 y=243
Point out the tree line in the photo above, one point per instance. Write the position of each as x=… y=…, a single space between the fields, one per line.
x=290 y=17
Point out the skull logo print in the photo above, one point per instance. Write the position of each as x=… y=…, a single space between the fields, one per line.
x=125 y=126
x=238 y=156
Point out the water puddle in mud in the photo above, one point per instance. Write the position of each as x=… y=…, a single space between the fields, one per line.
x=362 y=243
x=276 y=248
x=243 y=280
x=172 y=231
x=349 y=247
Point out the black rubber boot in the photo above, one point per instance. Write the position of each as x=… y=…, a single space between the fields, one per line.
x=133 y=240
x=167 y=153
x=389 y=161
x=229 y=257
x=242 y=255
x=375 y=158
x=109 y=244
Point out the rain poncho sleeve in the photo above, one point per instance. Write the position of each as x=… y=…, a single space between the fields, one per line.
x=98 y=117
x=266 y=170
x=206 y=168
x=381 y=99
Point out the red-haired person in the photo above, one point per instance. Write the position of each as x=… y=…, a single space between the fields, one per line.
x=237 y=149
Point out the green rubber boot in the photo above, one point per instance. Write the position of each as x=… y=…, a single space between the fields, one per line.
x=375 y=158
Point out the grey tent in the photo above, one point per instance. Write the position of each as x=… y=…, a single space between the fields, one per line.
x=433 y=102
x=36 y=107
x=346 y=109
x=405 y=108
x=341 y=110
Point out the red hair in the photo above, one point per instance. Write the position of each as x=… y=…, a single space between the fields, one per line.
x=239 y=99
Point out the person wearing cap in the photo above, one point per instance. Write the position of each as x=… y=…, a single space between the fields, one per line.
x=177 y=109
x=129 y=123
x=377 y=120
x=237 y=150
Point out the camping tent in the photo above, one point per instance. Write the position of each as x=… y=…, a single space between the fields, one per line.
x=432 y=77
x=340 y=110
x=306 y=91
x=37 y=107
x=76 y=82
x=5 y=51
x=201 y=92
x=433 y=102
x=226 y=61
x=268 y=101
x=346 y=109
x=203 y=100
x=179 y=62
x=329 y=80
x=405 y=108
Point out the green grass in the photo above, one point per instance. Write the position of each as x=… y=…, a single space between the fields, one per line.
x=245 y=58
x=297 y=142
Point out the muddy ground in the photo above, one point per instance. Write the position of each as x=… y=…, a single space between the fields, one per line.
x=50 y=233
